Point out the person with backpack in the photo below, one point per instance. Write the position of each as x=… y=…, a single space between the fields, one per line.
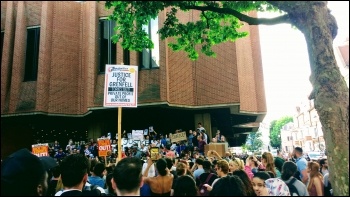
x=205 y=178
x=296 y=187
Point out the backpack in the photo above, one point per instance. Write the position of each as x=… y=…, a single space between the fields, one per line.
x=292 y=189
x=92 y=191
x=202 y=190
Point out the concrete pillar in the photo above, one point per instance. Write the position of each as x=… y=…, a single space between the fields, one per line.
x=94 y=131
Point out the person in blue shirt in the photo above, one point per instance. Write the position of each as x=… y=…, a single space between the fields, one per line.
x=189 y=139
x=97 y=174
x=301 y=164
x=163 y=141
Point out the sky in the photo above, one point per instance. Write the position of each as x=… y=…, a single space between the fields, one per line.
x=285 y=62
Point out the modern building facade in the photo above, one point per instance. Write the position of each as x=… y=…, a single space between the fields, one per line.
x=53 y=55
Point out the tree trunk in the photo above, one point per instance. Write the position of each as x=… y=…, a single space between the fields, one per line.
x=330 y=92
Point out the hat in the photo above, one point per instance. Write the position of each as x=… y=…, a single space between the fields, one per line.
x=24 y=167
x=48 y=162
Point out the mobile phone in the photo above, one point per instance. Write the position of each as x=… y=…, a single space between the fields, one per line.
x=154 y=153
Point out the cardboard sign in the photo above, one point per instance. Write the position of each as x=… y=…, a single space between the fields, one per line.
x=120 y=86
x=104 y=145
x=40 y=150
x=176 y=137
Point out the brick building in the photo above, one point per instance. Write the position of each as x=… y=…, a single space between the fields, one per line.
x=52 y=78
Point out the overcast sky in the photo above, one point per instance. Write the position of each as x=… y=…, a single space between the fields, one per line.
x=285 y=62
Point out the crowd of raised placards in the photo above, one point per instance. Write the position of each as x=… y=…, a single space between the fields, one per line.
x=166 y=165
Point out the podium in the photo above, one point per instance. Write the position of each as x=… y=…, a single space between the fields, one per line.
x=220 y=148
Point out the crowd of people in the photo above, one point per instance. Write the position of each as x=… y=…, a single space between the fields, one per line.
x=179 y=169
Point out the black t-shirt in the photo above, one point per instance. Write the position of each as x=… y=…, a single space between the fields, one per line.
x=203 y=177
x=195 y=141
x=51 y=191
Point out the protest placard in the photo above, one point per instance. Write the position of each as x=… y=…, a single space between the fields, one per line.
x=176 y=137
x=104 y=145
x=40 y=150
x=137 y=134
x=120 y=86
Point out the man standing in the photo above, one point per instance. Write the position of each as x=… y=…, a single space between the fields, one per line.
x=194 y=139
x=74 y=175
x=25 y=174
x=127 y=177
x=189 y=138
x=301 y=164
x=324 y=166
x=201 y=144
x=200 y=127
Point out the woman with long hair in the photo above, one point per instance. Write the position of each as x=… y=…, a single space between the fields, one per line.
x=188 y=167
x=162 y=183
x=315 y=187
x=229 y=186
x=185 y=186
x=246 y=181
x=269 y=163
x=235 y=164
x=259 y=185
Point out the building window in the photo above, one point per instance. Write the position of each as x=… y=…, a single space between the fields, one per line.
x=108 y=50
x=32 y=54
x=150 y=57
x=126 y=57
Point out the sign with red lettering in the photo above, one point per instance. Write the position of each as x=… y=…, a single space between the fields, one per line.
x=104 y=145
x=120 y=86
x=40 y=150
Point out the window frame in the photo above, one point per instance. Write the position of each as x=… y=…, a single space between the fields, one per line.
x=31 y=65
x=155 y=39
x=110 y=45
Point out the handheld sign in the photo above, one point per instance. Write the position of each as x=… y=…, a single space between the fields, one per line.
x=137 y=135
x=154 y=153
x=176 y=137
x=104 y=146
x=40 y=150
x=120 y=86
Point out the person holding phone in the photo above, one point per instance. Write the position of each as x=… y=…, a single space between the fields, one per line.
x=162 y=183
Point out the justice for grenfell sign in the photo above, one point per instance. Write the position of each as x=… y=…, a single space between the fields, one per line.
x=120 y=86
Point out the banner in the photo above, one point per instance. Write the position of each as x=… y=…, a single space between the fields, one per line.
x=40 y=150
x=176 y=137
x=104 y=145
x=120 y=86
x=137 y=135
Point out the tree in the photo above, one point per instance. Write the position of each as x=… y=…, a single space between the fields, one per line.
x=218 y=23
x=254 y=141
x=275 y=130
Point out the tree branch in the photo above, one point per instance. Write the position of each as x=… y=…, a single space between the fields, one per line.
x=208 y=26
x=243 y=17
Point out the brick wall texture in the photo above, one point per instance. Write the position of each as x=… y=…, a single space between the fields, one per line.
x=68 y=81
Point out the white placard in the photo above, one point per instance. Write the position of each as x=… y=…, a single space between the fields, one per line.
x=120 y=86
x=137 y=135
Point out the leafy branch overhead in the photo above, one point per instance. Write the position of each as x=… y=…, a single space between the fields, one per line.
x=218 y=22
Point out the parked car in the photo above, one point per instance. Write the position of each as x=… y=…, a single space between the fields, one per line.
x=315 y=156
